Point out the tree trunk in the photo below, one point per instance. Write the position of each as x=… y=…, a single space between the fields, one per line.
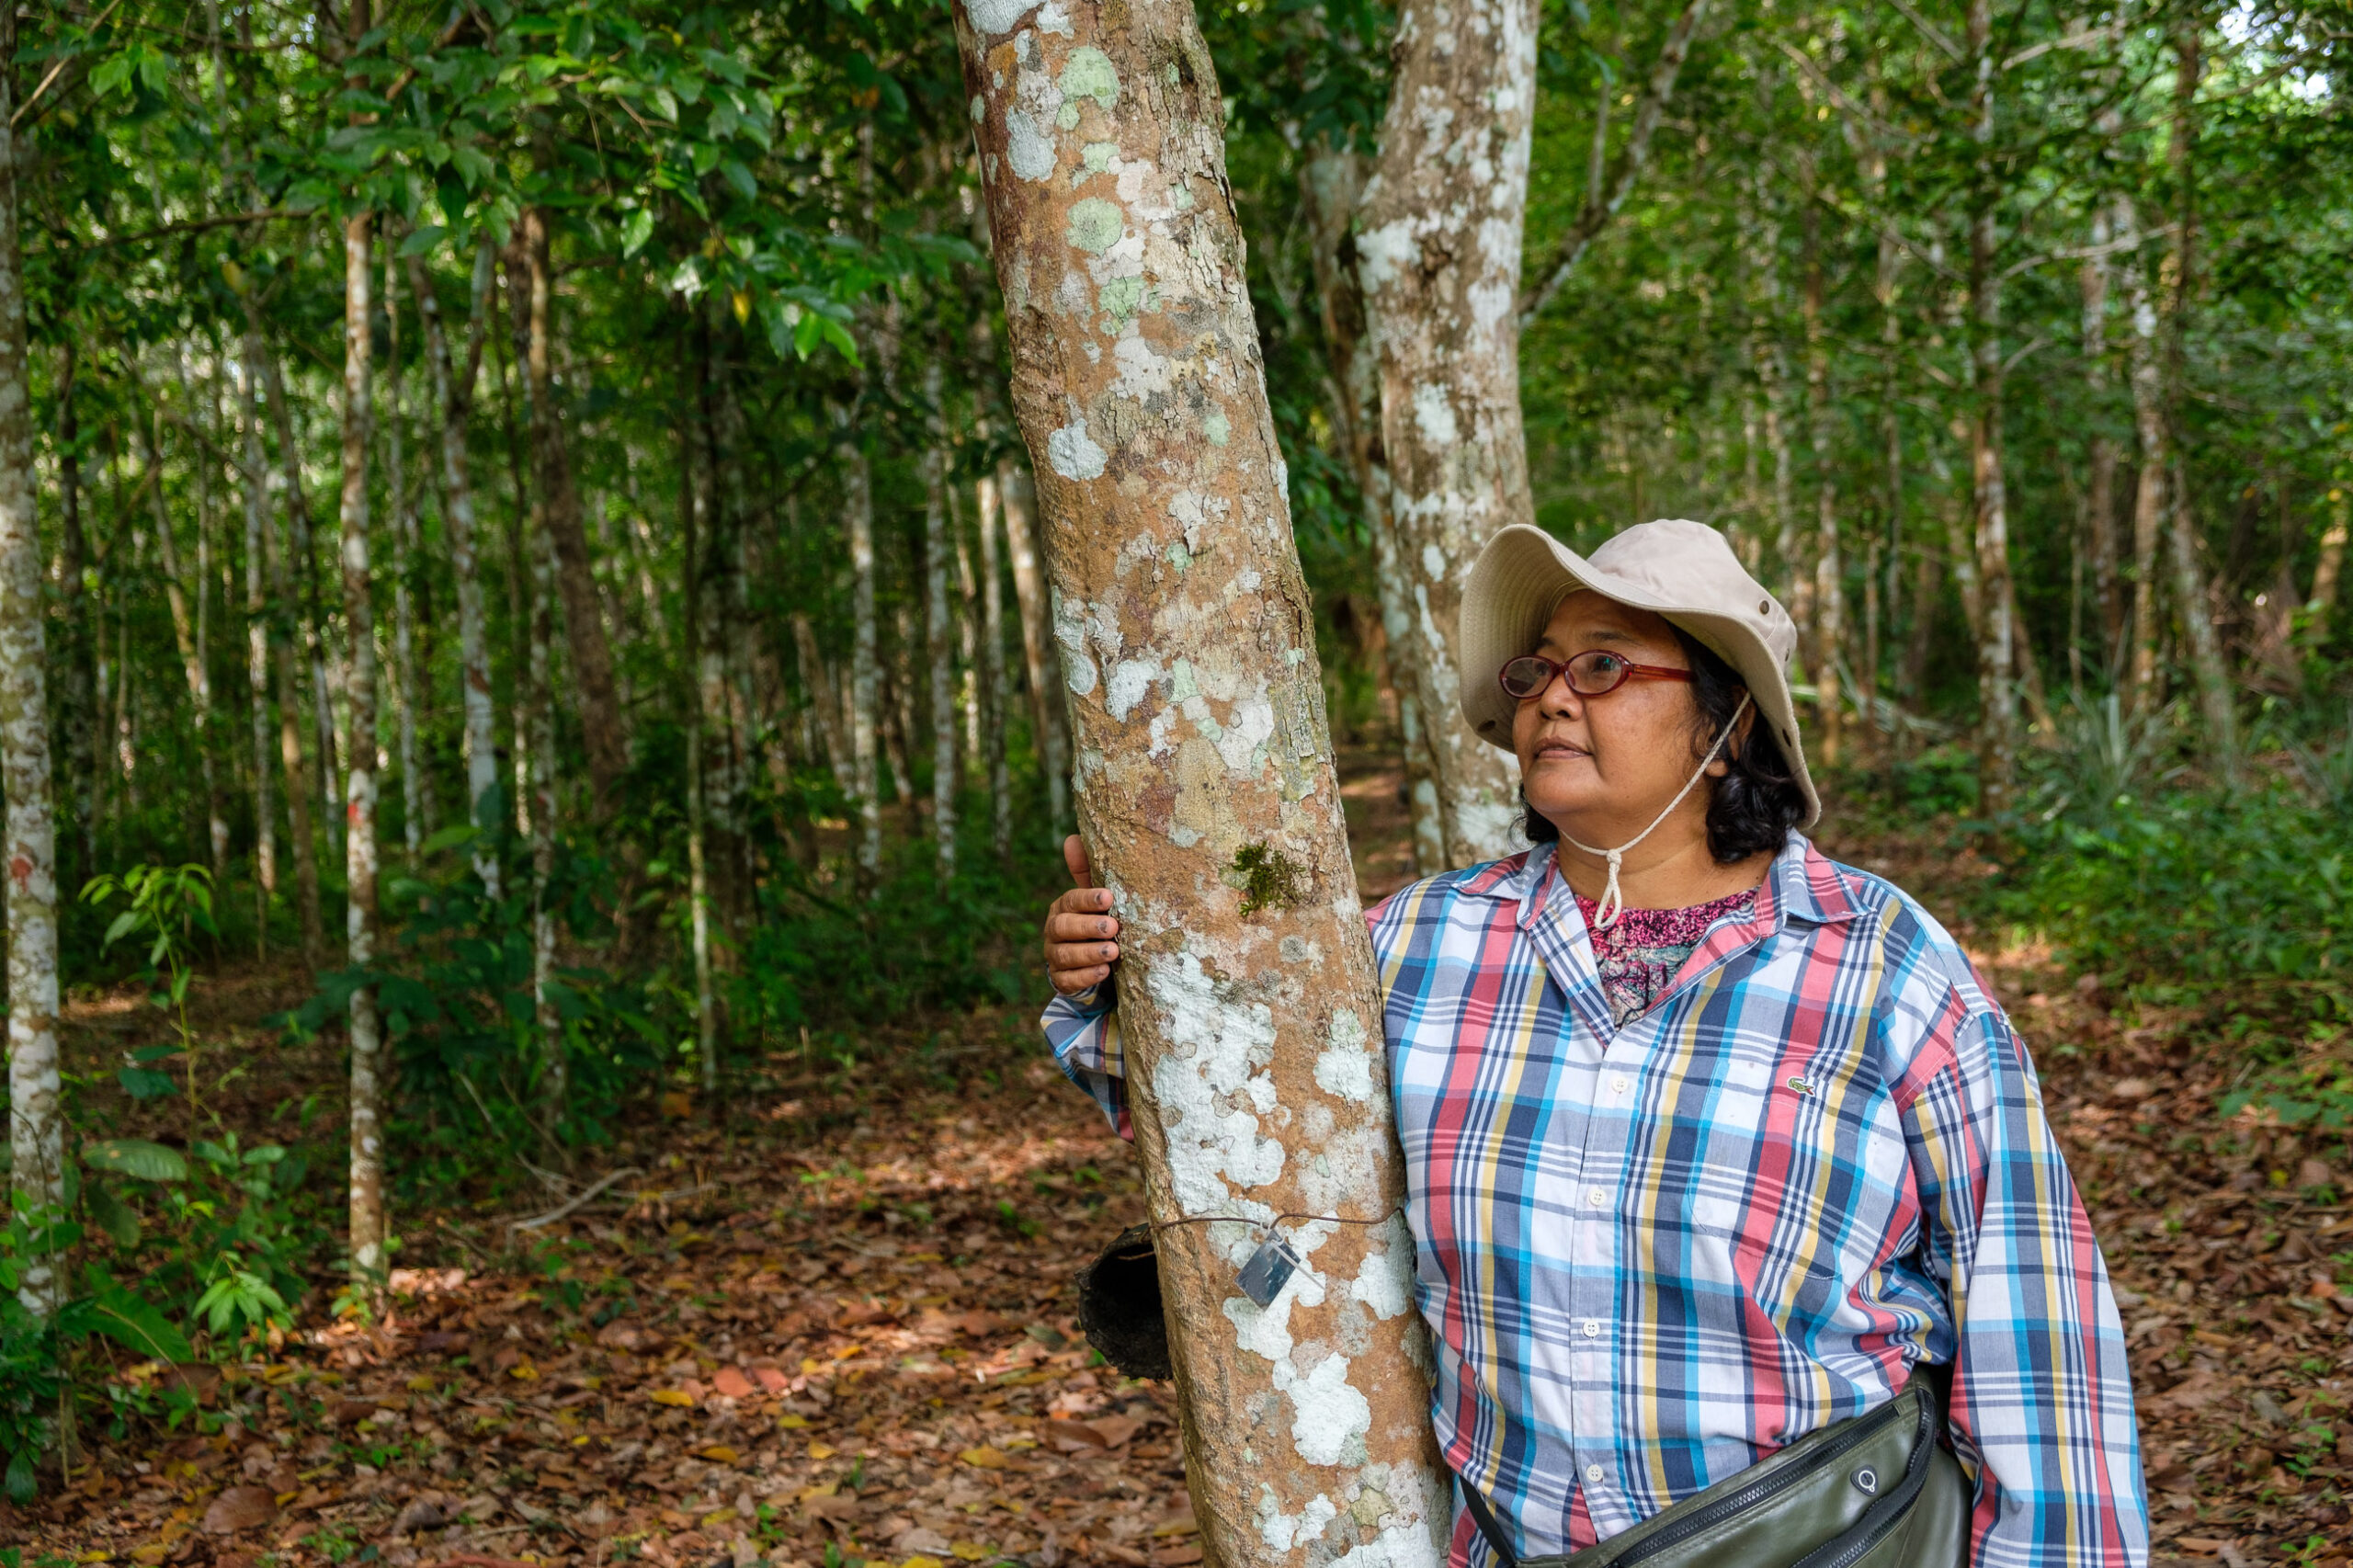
x=453 y=396
x=1438 y=254
x=1331 y=188
x=2154 y=458
x=719 y=523
x=35 y=1119
x=256 y=483
x=540 y=703
x=993 y=675
x=1996 y=670
x=1762 y=256
x=192 y=663
x=2099 y=499
x=370 y=1225
x=298 y=587
x=940 y=644
x=1207 y=793
x=583 y=620
x=1016 y=495
x=865 y=672
x=416 y=791
x=1829 y=585
x=77 y=676
x=826 y=703
x=2321 y=608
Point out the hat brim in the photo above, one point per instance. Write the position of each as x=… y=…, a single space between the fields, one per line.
x=1520 y=579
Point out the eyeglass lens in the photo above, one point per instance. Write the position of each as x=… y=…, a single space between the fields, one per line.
x=1591 y=673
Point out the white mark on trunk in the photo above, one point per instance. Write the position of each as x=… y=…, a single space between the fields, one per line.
x=1345 y=1069
x=1087 y=75
x=1384 y=253
x=1212 y=1068
x=1247 y=729
x=1070 y=630
x=1432 y=567
x=1096 y=225
x=1052 y=18
x=1142 y=373
x=1216 y=426
x=1434 y=416
x=1071 y=452
x=1129 y=683
x=1329 y=1417
x=1384 y=1281
x=1027 y=149
x=991 y=18
x=1282 y=1531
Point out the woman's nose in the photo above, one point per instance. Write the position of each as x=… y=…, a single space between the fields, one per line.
x=1559 y=698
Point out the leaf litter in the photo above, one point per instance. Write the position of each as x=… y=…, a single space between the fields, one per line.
x=854 y=1341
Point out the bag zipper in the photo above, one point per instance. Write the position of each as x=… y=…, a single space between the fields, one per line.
x=1749 y=1496
x=1897 y=1506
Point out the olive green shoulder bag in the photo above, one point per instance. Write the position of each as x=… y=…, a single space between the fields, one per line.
x=1878 y=1490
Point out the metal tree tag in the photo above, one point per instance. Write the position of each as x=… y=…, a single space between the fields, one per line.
x=1269 y=1268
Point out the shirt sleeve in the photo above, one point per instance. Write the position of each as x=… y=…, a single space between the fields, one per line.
x=2042 y=1393
x=1084 y=1031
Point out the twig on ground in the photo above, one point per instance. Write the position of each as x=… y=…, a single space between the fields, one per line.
x=591 y=1190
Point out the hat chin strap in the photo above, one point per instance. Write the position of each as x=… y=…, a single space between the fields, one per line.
x=1613 y=901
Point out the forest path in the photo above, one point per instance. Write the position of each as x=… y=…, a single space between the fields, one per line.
x=840 y=1328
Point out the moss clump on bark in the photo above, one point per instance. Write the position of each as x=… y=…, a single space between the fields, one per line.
x=1267 y=877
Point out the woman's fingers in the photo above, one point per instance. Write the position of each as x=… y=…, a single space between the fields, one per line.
x=1074 y=857
x=1071 y=981
x=1080 y=930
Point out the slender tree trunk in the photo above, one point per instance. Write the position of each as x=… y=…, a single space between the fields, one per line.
x=1762 y=253
x=257 y=490
x=1331 y=184
x=192 y=663
x=1198 y=712
x=35 y=1119
x=298 y=587
x=993 y=673
x=940 y=646
x=865 y=673
x=1997 y=666
x=417 y=789
x=2154 y=458
x=2201 y=643
x=827 y=703
x=967 y=630
x=77 y=675
x=896 y=709
x=1016 y=495
x=1439 y=251
x=453 y=398
x=1829 y=586
x=2099 y=497
x=371 y=1227
x=584 y=621
x=555 y=1077
x=692 y=601
x=290 y=752
x=720 y=524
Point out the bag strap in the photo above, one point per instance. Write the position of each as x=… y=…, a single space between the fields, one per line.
x=1485 y=1518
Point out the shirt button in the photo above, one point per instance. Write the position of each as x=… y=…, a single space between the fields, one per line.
x=1592 y=1329
x=1593 y=1473
x=1619 y=1085
x=1594 y=1198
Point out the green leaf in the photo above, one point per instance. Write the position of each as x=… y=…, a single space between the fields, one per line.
x=144 y=1083
x=124 y=924
x=450 y=837
x=422 y=241
x=636 y=229
x=113 y=1216
x=136 y=1158
x=139 y=1325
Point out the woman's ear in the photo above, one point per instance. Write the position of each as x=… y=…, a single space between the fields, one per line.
x=1734 y=742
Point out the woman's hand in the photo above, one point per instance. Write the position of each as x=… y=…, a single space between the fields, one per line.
x=1079 y=929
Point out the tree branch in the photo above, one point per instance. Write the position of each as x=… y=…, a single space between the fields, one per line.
x=1602 y=202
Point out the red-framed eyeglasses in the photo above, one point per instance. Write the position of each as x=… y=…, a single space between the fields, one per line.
x=1594 y=672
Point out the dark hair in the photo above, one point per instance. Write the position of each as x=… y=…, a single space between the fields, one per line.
x=1757 y=803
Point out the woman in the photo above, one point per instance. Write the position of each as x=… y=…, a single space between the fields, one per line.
x=1708 y=1140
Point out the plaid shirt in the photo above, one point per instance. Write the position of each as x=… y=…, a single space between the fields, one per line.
x=1651 y=1255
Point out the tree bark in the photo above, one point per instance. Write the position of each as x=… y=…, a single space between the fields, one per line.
x=416 y=791
x=719 y=523
x=2099 y=494
x=1829 y=571
x=1331 y=188
x=257 y=490
x=77 y=675
x=940 y=644
x=1016 y=495
x=370 y=1225
x=2321 y=608
x=453 y=396
x=1996 y=669
x=184 y=630
x=540 y=704
x=825 y=703
x=2154 y=458
x=692 y=602
x=1438 y=252
x=584 y=616
x=36 y=1118
x=865 y=670
x=993 y=676
x=1206 y=788
x=299 y=564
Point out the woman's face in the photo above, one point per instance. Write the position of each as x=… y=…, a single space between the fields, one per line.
x=1602 y=767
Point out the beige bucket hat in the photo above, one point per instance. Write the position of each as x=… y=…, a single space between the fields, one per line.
x=1683 y=570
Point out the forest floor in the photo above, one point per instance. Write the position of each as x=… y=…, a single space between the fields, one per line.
x=840 y=1328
